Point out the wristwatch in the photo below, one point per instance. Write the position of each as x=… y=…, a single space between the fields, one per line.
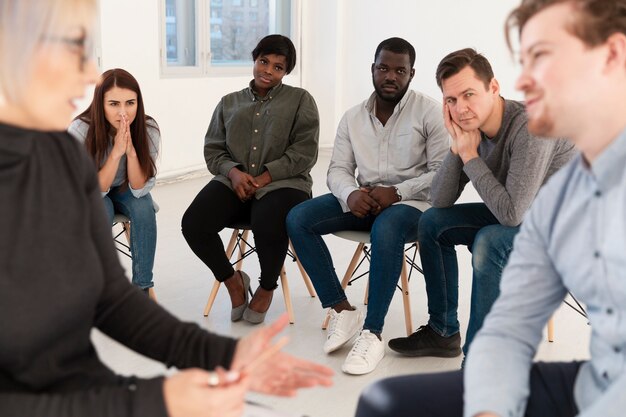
x=398 y=193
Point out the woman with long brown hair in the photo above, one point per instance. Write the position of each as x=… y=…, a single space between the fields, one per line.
x=123 y=142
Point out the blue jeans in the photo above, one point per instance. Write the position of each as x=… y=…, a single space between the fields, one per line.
x=473 y=225
x=551 y=393
x=143 y=231
x=390 y=230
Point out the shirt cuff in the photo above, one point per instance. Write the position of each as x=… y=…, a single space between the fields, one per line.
x=140 y=192
x=226 y=166
x=475 y=167
x=345 y=193
x=276 y=170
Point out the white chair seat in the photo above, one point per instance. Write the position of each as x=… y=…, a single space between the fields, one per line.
x=354 y=235
x=120 y=218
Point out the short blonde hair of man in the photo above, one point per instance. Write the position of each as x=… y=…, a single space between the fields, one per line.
x=23 y=26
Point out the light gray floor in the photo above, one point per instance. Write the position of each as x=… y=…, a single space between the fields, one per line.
x=183 y=284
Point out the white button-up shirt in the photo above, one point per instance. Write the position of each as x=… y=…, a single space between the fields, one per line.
x=405 y=152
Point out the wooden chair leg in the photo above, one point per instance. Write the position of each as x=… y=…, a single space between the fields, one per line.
x=216 y=285
x=209 y=303
x=326 y=320
x=346 y=278
x=352 y=266
x=406 y=299
x=305 y=276
x=367 y=291
x=126 y=227
x=152 y=294
x=231 y=243
x=287 y=295
x=551 y=330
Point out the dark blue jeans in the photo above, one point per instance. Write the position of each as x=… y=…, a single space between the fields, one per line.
x=143 y=230
x=473 y=225
x=390 y=230
x=441 y=395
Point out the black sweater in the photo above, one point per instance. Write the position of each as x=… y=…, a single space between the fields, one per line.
x=59 y=278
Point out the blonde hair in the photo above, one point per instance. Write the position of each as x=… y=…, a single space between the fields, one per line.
x=23 y=25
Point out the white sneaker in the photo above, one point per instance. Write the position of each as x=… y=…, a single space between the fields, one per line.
x=342 y=327
x=367 y=351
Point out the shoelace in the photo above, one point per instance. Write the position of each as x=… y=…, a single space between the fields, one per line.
x=361 y=346
x=334 y=321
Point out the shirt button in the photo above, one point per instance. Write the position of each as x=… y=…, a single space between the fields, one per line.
x=254 y=148
x=609 y=311
x=258 y=114
x=596 y=254
x=605 y=375
x=256 y=131
x=253 y=165
x=617 y=349
x=598 y=193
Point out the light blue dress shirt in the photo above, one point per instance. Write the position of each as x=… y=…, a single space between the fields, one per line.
x=573 y=237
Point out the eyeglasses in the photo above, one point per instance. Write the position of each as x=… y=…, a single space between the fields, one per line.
x=80 y=46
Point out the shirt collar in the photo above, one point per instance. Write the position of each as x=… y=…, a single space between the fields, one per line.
x=608 y=167
x=370 y=105
x=270 y=94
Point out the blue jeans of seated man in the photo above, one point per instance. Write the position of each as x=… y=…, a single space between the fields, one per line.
x=143 y=231
x=474 y=226
x=389 y=231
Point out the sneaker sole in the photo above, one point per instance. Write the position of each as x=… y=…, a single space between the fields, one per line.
x=336 y=348
x=437 y=353
x=361 y=371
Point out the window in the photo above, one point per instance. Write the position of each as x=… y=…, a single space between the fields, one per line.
x=201 y=37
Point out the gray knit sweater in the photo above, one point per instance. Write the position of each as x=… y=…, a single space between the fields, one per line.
x=511 y=168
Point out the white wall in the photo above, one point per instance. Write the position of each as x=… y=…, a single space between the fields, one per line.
x=338 y=40
x=342 y=37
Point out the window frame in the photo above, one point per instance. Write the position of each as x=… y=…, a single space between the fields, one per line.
x=204 y=67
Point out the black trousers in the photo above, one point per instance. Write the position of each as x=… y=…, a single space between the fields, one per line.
x=441 y=395
x=217 y=207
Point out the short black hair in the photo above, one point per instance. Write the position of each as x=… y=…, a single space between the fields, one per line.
x=398 y=46
x=278 y=45
x=456 y=61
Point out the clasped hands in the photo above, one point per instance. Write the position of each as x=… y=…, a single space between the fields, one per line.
x=245 y=185
x=371 y=200
x=122 y=142
x=464 y=143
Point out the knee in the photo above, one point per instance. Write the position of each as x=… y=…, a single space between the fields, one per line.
x=490 y=249
x=385 y=234
x=296 y=219
x=142 y=207
x=188 y=225
x=430 y=224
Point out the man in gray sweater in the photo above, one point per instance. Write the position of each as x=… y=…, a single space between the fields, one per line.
x=491 y=147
